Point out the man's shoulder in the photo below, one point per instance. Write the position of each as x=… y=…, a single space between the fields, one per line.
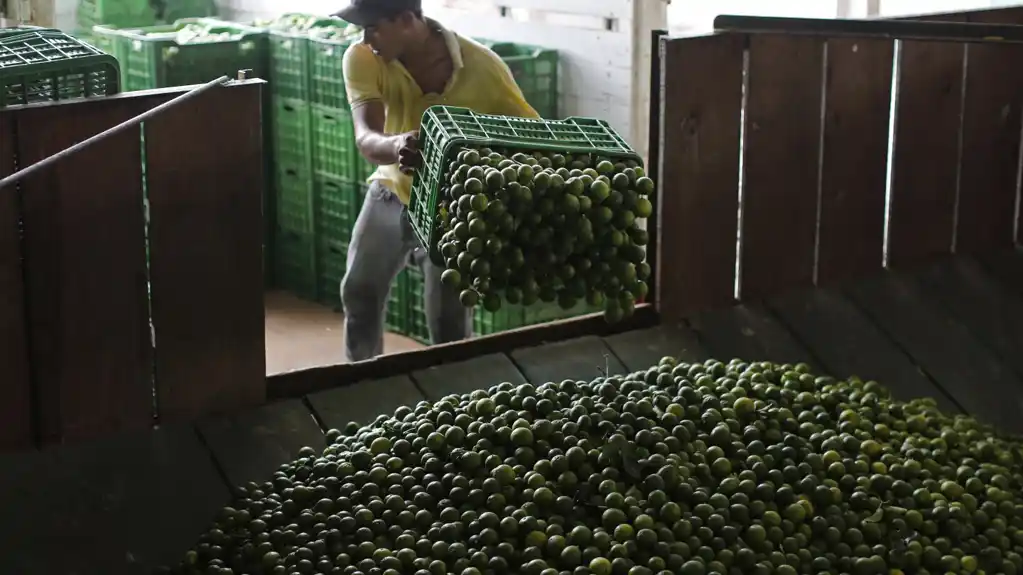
x=359 y=52
x=476 y=54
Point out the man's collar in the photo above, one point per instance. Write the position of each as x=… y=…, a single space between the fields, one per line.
x=451 y=40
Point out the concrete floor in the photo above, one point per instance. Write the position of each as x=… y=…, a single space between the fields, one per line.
x=302 y=334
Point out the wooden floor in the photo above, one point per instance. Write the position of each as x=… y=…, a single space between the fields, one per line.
x=302 y=334
x=952 y=331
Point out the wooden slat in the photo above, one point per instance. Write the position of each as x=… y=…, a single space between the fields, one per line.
x=1006 y=266
x=85 y=260
x=584 y=358
x=855 y=160
x=783 y=132
x=17 y=430
x=991 y=140
x=653 y=150
x=251 y=445
x=980 y=302
x=848 y=343
x=925 y=161
x=364 y=401
x=749 y=332
x=642 y=348
x=467 y=376
x=968 y=372
x=306 y=381
x=83 y=509
x=701 y=93
x=205 y=173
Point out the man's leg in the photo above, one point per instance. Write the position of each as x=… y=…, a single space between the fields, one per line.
x=376 y=254
x=446 y=317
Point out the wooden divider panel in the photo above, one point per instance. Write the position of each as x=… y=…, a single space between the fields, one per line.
x=17 y=430
x=701 y=95
x=205 y=174
x=85 y=266
x=782 y=147
x=925 y=160
x=991 y=140
x=850 y=241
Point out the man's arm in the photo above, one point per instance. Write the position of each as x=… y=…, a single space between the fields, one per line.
x=370 y=139
x=363 y=86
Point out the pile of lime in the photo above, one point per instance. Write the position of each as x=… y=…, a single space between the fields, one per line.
x=545 y=227
x=681 y=469
x=326 y=28
x=202 y=33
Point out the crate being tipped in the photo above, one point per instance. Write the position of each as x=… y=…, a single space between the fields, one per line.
x=522 y=211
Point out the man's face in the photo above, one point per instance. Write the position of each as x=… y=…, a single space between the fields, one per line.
x=387 y=37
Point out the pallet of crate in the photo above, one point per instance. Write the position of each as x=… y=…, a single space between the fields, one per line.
x=318 y=175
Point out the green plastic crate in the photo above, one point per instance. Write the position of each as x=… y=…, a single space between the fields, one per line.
x=415 y=323
x=396 y=316
x=290 y=129
x=289 y=36
x=334 y=151
x=295 y=263
x=516 y=316
x=327 y=83
x=45 y=65
x=337 y=205
x=445 y=129
x=155 y=57
x=330 y=268
x=294 y=195
x=536 y=72
x=288 y=65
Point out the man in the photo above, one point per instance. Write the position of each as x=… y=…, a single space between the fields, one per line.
x=404 y=64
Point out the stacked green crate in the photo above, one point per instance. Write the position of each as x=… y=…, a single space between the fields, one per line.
x=189 y=51
x=339 y=184
x=330 y=266
x=536 y=72
x=290 y=161
x=415 y=308
x=396 y=318
x=336 y=205
x=295 y=259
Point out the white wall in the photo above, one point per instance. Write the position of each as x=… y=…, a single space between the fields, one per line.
x=697 y=16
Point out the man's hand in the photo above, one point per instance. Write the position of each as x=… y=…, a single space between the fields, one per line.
x=407 y=149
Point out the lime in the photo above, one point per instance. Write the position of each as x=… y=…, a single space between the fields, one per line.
x=469 y=298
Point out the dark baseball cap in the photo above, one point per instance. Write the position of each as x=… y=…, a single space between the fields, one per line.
x=369 y=12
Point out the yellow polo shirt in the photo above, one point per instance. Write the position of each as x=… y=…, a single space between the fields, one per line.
x=481 y=82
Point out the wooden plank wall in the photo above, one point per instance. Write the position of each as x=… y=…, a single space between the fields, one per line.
x=808 y=206
x=78 y=351
x=16 y=386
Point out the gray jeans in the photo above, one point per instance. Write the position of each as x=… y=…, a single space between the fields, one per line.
x=382 y=242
